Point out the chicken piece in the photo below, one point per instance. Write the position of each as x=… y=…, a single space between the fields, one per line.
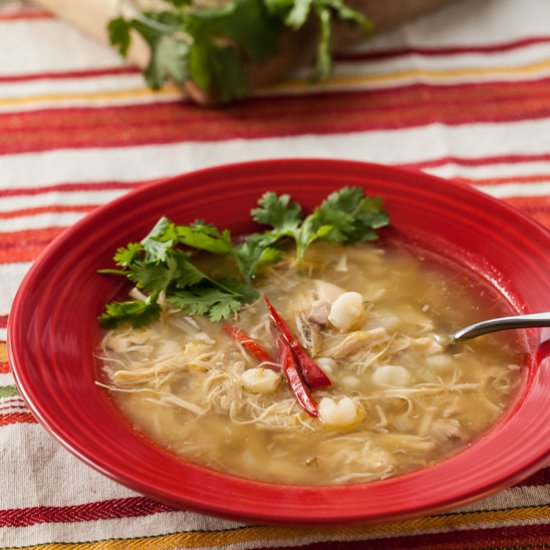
x=138 y=377
x=327 y=291
x=309 y=335
x=356 y=341
x=445 y=428
x=426 y=345
x=318 y=313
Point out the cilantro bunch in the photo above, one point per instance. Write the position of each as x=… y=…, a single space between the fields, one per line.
x=162 y=262
x=210 y=45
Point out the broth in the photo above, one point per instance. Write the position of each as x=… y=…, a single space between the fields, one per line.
x=398 y=402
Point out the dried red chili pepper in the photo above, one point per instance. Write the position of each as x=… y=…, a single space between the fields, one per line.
x=294 y=379
x=313 y=374
x=248 y=343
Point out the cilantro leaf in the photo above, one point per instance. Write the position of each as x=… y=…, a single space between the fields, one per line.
x=298 y=14
x=168 y=62
x=159 y=241
x=254 y=253
x=177 y=270
x=186 y=274
x=218 y=68
x=126 y=255
x=178 y=3
x=353 y=216
x=169 y=53
x=253 y=28
x=210 y=301
x=345 y=13
x=307 y=234
x=247 y=293
x=118 y=31
x=278 y=211
x=137 y=312
x=203 y=236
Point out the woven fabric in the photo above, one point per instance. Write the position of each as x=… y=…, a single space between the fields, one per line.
x=462 y=93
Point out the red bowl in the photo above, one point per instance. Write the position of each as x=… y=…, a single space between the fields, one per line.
x=53 y=331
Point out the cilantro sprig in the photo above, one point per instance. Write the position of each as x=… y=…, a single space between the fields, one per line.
x=158 y=263
x=210 y=46
x=163 y=261
x=346 y=216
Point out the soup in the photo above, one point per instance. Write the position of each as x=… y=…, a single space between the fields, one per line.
x=372 y=318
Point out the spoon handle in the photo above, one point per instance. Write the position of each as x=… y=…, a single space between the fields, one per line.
x=502 y=323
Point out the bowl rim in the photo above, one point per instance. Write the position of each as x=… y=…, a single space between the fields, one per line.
x=249 y=510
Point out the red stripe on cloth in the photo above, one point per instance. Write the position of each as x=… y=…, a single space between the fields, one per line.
x=27 y=254
x=269 y=117
x=76 y=74
x=29 y=236
x=13 y=401
x=4 y=367
x=528 y=536
x=10 y=406
x=3 y=321
x=15 y=418
x=46 y=209
x=93 y=511
x=443 y=51
x=477 y=161
x=24 y=246
x=69 y=187
x=537 y=207
x=16 y=16
x=542 y=477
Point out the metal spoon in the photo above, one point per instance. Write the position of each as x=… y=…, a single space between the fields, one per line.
x=501 y=323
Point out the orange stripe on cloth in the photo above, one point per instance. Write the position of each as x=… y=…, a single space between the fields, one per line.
x=21 y=254
x=537 y=207
x=17 y=418
x=3 y=352
x=24 y=246
x=270 y=536
x=116 y=95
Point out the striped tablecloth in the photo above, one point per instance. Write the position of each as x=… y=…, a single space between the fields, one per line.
x=463 y=93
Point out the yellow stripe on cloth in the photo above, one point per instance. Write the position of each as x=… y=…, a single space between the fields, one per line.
x=282 y=535
x=167 y=91
x=335 y=81
x=354 y=80
x=3 y=353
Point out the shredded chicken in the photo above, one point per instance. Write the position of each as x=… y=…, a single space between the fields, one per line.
x=356 y=341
